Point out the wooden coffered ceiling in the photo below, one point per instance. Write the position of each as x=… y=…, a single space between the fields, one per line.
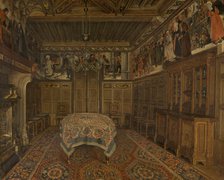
x=113 y=23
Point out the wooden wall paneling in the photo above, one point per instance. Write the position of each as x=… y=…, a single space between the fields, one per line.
x=117 y=99
x=80 y=92
x=33 y=100
x=161 y=128
x=107 y=98
x=127 y=101
x=93 y=92
x=150 y=91
x=56 y=99
x=86 y=91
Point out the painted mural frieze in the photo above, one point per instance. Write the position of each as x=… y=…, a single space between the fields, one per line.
x=158 y=20
x=60 y=66
x=194 y=29
x=13 y=15
x=92 y=49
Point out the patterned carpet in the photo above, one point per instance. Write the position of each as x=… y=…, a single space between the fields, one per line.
x=134 y=158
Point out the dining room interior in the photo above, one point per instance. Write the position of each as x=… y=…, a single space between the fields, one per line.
x=111 y=89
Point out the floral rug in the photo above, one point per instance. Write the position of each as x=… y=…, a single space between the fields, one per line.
x=134 y=158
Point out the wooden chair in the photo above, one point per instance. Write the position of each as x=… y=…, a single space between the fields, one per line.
x=114 y=113
x=142 y=114
x=147 y=125
x=128 y=120
x=62 y=111
x=134 y=119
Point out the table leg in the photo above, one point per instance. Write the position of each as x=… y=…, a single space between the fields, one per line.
x=68 y=159
x=107 y=160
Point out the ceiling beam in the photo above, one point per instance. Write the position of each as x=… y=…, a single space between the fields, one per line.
x=103 y=7
x=143 y=3
x=167 y=4
x=131 y=15
x=88 y=44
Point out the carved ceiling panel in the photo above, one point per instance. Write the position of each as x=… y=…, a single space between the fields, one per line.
x=126 y=23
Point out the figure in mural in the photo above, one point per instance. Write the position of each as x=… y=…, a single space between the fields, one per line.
x=106 y=63
x=3 y=16
x=67 y=67
x=168 y=47
x=217 y=30
x=134 y=65
x=140 y=66
x=92 y=59
x=153 y=54
x=20 y=40
x=176 y=38
x=185 y=41
x=160 y=51
x=219 y=4
x=48 y=66
x=36 y=72
x=148 y=61
x=192 y=12
x=117 y=64
x=3 y=21
x=13 y=29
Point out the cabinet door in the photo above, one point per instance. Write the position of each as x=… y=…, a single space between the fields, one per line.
x=200 y=97
x=187 y=91
x=187 y=139
x=175 y=91
x=173 y=133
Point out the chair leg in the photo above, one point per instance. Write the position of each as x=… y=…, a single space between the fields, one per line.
x=146 y=130
x=139 y=128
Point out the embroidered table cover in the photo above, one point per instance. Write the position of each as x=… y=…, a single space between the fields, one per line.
x=88 y=128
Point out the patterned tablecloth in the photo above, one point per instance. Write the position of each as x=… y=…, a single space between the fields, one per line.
x=88 y=128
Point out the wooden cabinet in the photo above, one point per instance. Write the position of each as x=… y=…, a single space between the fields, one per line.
x=117 y=100
x=188 y=136
x=196 y=139
x=187 y=126
x=191 y=84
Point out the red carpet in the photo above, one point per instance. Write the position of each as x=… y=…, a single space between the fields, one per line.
x=134 y=158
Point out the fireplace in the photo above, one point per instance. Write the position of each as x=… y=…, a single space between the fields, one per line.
x=6 y=139
x=8 y=101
